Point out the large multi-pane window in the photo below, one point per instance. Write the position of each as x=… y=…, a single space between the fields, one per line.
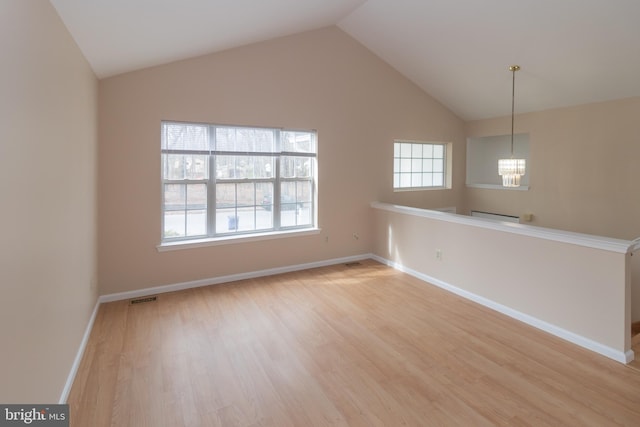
x=230 y=180
x=418 y=165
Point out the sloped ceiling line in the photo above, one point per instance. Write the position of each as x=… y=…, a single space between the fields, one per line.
x=571 y=52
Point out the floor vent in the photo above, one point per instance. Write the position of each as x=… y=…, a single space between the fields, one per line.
x=353 y=264
x=142 y=300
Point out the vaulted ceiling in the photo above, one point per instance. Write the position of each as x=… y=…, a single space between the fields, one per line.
x=571 y=51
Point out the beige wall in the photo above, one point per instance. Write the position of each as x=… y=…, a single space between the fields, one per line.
x=583 y=169
x=320 y=80
x=48 y=267
x=584 y=173
x=579 y=289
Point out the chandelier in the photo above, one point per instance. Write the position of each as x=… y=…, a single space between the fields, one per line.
x=511 y=170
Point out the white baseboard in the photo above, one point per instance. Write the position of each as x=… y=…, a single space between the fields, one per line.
x=186 y=285
x=226 y=279
x=76 y=362
x=623 y=357
x=611 y=353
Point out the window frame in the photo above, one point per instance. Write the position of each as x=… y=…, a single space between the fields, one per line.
x=398 y=170
x=212 y=231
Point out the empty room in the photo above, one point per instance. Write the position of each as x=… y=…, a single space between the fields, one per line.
x=320 y=212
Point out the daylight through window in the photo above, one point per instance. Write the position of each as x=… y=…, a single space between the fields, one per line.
x=229 y=180
x=418 y=165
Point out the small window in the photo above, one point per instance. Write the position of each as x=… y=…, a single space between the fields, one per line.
x=221 y=181
x=419 y=165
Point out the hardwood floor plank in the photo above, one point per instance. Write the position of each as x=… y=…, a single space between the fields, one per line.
x=364 y=345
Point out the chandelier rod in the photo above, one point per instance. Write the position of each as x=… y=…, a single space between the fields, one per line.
x=513 y=69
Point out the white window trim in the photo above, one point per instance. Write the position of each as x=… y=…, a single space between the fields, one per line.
x=446 y=172
x=246 y=236
x=176 y=245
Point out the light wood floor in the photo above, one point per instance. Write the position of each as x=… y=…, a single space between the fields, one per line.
x=358 y=346
x=635 y=346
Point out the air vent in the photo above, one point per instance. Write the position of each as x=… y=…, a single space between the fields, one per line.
x=353 y=264
x=142 y=300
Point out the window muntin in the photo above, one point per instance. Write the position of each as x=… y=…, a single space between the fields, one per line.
x=418 y=165
x=229 y=180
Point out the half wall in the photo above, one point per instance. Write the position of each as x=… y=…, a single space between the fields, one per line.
x=575 y=286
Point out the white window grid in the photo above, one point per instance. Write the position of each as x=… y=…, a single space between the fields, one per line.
x=273 y=209
x=419 y=165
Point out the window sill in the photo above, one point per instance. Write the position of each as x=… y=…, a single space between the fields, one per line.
x=499 y=187
x=398 y=190
x=230 y=240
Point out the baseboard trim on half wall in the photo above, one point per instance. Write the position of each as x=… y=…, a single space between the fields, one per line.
x=623 y=357
x=604 y=350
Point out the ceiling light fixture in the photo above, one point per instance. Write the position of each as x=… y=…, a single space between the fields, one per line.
x=511 y=170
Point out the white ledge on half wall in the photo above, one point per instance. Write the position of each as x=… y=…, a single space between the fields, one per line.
x=580 y=239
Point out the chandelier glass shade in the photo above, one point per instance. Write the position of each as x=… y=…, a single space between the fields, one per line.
x=511 y=170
